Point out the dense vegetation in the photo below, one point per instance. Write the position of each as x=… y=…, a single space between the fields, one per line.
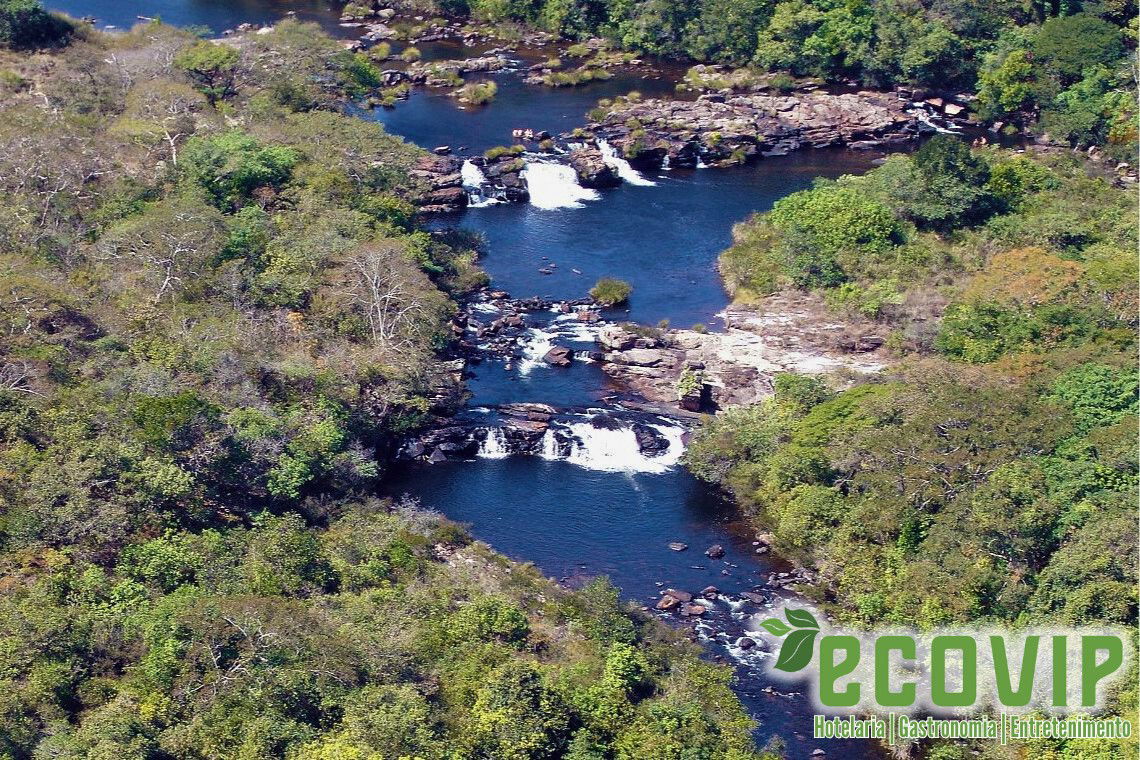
x=991 y=475
x=218 y=313
x=1070 y=64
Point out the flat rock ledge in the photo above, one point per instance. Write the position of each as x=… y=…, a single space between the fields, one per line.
x=728 y=129
x=784 y=333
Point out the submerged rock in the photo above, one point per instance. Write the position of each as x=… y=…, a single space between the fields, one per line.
x=716 y=551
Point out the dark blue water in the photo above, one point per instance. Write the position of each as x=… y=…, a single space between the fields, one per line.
x=215 y=15
x=434 y=118
x=663 y=240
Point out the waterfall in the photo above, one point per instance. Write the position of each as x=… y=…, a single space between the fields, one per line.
x=918 y=110
x=494 y=445
x=473 y=180
x=549 y=446
x=617 y=450
x=535 y=344
x=554 y=186
x=621 y=166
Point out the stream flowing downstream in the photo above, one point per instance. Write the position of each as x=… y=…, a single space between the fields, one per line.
x=595 y=505
x=587 y=501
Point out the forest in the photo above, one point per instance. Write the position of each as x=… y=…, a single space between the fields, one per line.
x=990 y=475
x=1063 y=67
x=219 y=314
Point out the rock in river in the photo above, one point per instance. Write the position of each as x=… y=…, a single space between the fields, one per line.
x=559 y=356
x=592 y=169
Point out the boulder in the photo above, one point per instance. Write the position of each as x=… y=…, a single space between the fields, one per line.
x=667 y=602
x=680 y=596
x=641 y=357
x=754 y=597
x=710 y=592
x=592 y=169
x=693 y=610
x=616 y=338
x=745 y=643
x=677 y=546
x=525 y=409
x=716 y=551
x=649 y=441
x=559 y=356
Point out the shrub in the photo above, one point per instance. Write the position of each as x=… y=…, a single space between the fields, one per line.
x=782 y=82
x=25 y=24
x=411 y=54
x=610 y=292
x=503 y=150
x=477 y=93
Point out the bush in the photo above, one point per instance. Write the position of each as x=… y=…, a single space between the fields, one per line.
x=782 y=82
x=25 y=24
x=477 y=93
x=503 y=150
x=610 y=292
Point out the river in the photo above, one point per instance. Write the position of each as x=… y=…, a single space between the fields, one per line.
x=590 y=504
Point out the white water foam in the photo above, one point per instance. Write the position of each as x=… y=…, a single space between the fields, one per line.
x=622 y=167
x=554 y=186
x=536 y=342
x=918 y=110
x=549 y=446
x=617 y=450
x=571 y=328
x=473 y=179
x=494 y=445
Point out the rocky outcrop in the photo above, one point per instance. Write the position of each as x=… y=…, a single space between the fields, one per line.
x=720 y=129
x=785 y=333
x=443 y=73
x=442 y=183
x=503 y=178
x=592 y=169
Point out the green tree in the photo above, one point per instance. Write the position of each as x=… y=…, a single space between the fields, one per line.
x=25 y=24
x=211 y=67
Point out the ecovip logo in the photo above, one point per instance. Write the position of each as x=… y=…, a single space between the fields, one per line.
x=951 y=671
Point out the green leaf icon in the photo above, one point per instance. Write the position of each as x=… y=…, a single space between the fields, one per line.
x=796 y=651
x=801 y=618
x=775 y=627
